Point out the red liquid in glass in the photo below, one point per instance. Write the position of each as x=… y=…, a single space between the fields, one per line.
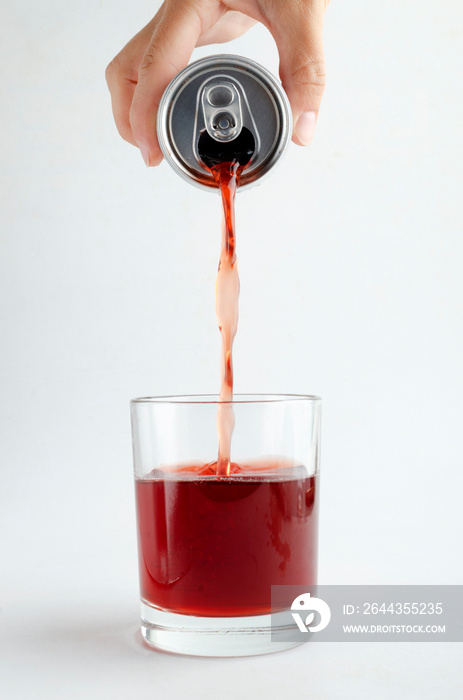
x=214 y=546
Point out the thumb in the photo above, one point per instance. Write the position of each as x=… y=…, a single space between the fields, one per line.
x=298 y=35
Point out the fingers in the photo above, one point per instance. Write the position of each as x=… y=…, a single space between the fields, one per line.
x=298 y=35
x=168 y=52
x=121 y=90
x=122 y=76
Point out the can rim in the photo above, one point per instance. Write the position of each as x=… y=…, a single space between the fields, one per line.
x=225 y=60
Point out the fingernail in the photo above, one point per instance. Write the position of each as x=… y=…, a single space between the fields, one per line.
x=305 y=127
x=144 y=150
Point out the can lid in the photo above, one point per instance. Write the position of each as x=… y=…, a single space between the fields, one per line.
x=238 y=93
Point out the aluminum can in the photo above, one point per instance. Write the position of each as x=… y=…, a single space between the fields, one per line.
x=221 y=97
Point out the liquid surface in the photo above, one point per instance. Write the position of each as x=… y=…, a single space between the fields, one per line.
x=214 y=546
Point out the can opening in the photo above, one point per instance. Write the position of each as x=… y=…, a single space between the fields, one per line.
x=212 y=152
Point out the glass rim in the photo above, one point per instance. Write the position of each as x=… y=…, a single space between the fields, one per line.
x=205 y=399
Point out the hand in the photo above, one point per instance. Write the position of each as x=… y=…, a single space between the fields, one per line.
x=139 y=74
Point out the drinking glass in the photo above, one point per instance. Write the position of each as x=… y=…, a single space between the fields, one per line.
x=211 y=545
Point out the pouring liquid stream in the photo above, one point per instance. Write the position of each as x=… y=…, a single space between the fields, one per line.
x=226 y=162
x=227 y=295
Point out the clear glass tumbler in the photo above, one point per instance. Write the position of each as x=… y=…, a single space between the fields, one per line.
x=211 y=544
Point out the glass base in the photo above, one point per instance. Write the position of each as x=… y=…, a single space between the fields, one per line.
x=212 y=636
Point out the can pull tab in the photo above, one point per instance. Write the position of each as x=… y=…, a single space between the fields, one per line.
x=221 y=104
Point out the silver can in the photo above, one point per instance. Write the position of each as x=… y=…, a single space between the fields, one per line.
x=218 y=104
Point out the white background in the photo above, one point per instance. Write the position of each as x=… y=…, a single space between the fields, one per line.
x=351 y=265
